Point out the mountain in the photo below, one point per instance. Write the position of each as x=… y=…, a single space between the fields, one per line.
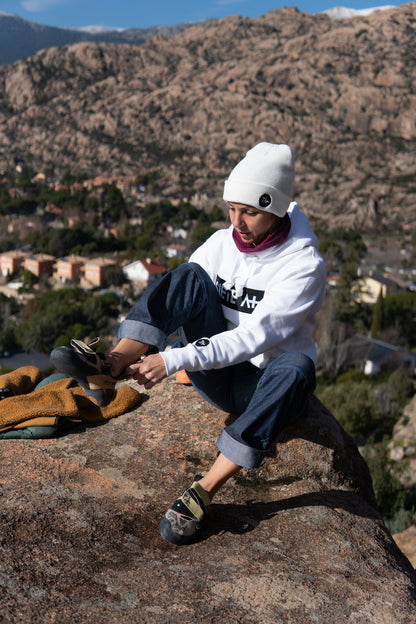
x=20 y=38
x=341 y=92
x=345 y=12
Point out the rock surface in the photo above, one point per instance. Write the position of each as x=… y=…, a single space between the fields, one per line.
x=341 y=92
x=298 y=540
x=406 y=541
x=405 y=429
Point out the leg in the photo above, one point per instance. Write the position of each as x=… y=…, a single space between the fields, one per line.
x=221 y=470
x=124 y=353
x=270 y=400
x=280 y=398
x=184 y=298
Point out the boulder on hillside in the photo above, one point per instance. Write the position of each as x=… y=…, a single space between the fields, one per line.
x=406 y=541
x=297 y=540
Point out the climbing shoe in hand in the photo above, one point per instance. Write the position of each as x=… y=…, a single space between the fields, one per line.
x=81 y=362
x=180 y=522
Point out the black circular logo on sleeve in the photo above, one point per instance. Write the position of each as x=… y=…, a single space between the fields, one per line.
x=202 y=342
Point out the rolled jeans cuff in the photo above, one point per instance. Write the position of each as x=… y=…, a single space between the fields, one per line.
x=239 y=453
x=137 y=330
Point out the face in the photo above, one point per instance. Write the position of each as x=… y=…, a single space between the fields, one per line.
x=252 y=225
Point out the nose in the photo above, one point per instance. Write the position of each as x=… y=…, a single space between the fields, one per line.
x=236 y=218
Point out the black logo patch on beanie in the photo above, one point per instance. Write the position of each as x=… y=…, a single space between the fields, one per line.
x=265 y=200
x=202 y=342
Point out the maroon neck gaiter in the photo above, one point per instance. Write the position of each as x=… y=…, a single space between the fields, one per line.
x=275 y=238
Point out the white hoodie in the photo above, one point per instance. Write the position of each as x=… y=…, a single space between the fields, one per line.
x=269 y=299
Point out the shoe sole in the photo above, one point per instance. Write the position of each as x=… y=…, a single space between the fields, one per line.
x=99 y=387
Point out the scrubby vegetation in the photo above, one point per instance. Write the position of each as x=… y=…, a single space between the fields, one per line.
x=367 y=409
x=53 y=318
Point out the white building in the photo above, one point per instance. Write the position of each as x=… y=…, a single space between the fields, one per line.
x=144 y=271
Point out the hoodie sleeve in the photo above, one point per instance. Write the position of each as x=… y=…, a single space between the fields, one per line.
x=288 y=305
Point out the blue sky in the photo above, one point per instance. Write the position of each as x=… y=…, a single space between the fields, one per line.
x=145 y=13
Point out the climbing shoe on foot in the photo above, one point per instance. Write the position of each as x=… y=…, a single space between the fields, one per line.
x=82 y=362
x=180 y=522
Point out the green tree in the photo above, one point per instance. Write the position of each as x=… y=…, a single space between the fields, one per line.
x=331 y=250
x=389 y=492
x=98 y=310
x=378 y=314
x=28 y=278
x=144 y=242
x=353 y=406
x=5 y=200
x=153 y=225
x=344 y=301
x=200 y=234
x=46 y=317
x=115 y=277
x=148 y=180
x=173 y=263
x=114 y=206
x=400 y=317
x=401 y=385
x=91 y=204
x=217 y=214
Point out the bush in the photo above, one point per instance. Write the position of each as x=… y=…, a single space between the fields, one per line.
x=331 y=249
x=351 y=375
x=201 y=233
x=389 y=491
x=55 y=317
x=173 y=263
x=144 y=242
x=401 y=385
x=352 y=405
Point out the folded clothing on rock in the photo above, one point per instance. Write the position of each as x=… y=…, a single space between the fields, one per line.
x=53 y=402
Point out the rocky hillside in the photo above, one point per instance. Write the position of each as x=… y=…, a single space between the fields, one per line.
x=342 y=93
x=297 y=540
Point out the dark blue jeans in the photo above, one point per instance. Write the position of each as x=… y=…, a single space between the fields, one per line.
x=186 y=301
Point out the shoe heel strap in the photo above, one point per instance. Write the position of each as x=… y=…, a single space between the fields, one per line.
x=81 y=346
x=202 y=494
x=94 y=343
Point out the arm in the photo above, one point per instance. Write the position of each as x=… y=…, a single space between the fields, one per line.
x=287 y=306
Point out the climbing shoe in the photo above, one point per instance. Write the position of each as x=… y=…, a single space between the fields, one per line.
x=86 y=366
x=181 y=521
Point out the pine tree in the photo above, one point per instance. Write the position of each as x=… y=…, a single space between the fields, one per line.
x=378 y=314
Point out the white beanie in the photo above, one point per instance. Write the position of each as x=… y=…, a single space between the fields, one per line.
x=263 y=179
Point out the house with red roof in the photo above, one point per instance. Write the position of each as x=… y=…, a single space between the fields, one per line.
x=144 y=271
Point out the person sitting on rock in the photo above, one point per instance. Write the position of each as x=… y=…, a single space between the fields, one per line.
x=244 y=307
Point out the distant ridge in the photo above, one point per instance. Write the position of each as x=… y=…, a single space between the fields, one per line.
x=20 y=38
x=345 y=13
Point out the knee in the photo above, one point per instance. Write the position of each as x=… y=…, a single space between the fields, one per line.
x=190 y=267
x=193 y=272
x=299 y=364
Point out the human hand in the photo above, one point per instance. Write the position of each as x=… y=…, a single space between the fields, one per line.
x=149 y=371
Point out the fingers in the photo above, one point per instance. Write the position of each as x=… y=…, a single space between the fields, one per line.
x=148 y=372
x=132 y=369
